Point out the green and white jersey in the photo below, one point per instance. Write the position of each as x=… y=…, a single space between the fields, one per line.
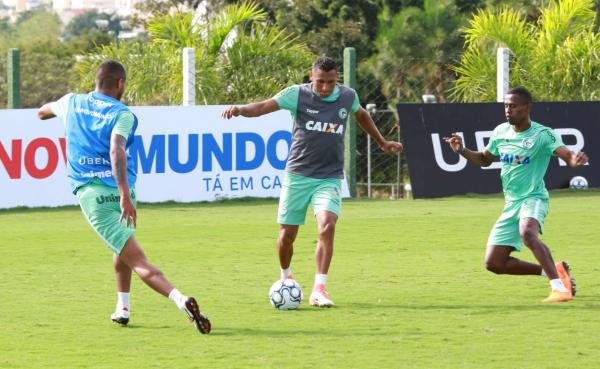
x=123 y=126
x=524 y=157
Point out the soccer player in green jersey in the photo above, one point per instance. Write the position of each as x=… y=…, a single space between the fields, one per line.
x=524 y=148
x=314 y=168
x=99 y=130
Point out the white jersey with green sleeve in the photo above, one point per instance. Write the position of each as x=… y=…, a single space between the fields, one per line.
x=524 y=157
x=287 y=99
x=123 y=126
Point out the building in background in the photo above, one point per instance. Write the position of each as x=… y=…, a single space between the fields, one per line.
x=71 y=7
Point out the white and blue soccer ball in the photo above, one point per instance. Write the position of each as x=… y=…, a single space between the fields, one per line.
x=578 y=183
x=285 y=294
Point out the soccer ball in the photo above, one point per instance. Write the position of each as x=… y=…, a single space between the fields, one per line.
x=578 y=183
x=285 y=294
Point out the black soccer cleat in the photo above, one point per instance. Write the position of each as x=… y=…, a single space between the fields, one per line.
x=196 y=316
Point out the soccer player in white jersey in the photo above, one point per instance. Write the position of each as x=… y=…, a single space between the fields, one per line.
x=314 y=169
x=524 y=148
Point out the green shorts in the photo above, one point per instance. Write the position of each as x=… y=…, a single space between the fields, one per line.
x=298 y=191
x=506 y=229
x=102 y=209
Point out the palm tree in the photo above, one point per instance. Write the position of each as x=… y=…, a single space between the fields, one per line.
x=557 y=57
x=239 y=57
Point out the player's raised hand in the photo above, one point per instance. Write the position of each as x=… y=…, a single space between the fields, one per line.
x=455 y=142
x=580 y=159
x=392 y=147
x=231 y=111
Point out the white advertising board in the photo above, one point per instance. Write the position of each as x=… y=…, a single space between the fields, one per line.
x=184 y=154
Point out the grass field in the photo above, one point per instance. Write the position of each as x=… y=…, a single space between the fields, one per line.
x=407 y=276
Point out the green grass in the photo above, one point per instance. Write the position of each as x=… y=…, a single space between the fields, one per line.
x=407 y=276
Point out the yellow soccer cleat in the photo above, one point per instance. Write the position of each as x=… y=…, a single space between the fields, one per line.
x=564 y=273
x=557 y=296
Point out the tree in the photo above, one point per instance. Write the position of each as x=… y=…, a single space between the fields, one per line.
x=46 y=72
x=326 y=26
x=239 y=58
x=557 y=57
x=414 y=48
x=46 y=63
x=86 y=23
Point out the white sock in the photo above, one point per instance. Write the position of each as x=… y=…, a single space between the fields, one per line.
x=543 y=273
x=321 y=279
x=123 y=301
x=557 y=285
x=286 y=272
x=178 y=298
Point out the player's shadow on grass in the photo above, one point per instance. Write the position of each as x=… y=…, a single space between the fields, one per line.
x=143 y=326
x=234 y=331
x=268 y=332
x=579 y=303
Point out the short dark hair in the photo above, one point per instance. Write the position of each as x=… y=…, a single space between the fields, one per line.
x=109 y=73
x=325 y=64
x=523 y=92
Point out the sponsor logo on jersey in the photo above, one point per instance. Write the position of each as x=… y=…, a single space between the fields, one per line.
x=311 y=111
x=514 y=159
x=552 y=137
x=325 y=127
x=99 y=103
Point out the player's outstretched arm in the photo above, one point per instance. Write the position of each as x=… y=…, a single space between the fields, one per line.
x=572 y=159
x=45 y=112
x=118 y=161
x=484 y=159
x=366 y=123
x=250 y=110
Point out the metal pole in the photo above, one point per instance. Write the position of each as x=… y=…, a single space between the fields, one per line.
x=399 y=175
x=350 y=139
x=189 y=76
x=368 y=165
x=14 y=79
x=371 y=109
x=502 y=73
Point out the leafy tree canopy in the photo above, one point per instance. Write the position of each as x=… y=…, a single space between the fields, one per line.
x=414 y=48
x=46 y=62
x=86 y=23
x=239 y=57
x=557 y=57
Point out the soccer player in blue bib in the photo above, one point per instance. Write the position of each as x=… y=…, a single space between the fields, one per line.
x=314 y=169
x=99 y=130
x=524 y=148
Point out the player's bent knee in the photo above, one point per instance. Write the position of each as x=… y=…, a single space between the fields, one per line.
x=494 y=267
